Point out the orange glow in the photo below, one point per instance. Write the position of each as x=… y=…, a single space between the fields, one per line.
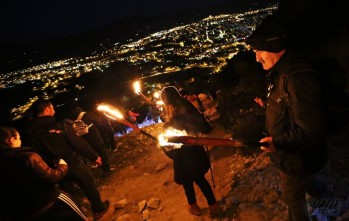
x=137 y=87
x=110 y=111
x=163 y=141
x=156 y=95
x=160 y=103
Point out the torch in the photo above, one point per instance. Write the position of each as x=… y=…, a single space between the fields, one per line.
x=190 y=140
x=179 y=137
x=210 y=141
x=114 y=114
x=137 y=87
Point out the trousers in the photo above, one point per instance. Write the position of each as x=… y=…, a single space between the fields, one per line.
x=81 y=175
x=204 y=187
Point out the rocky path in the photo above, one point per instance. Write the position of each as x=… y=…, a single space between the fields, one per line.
x=246 y=185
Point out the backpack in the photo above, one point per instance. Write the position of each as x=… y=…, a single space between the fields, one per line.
x=79 y=126
x=334 y=84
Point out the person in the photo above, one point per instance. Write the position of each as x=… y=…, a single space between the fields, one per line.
x=295 y=117
x=56 y=139
x=193 y=98
x=210 y=108
x=107 y=131
x=190 y=162
x=28 y=185
x=93 y=137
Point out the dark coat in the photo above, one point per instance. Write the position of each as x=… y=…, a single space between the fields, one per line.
x=295 y=117
x=102 y=132
x=27 y=183
x=189 y=162
x=93 y=137
x=57 y=140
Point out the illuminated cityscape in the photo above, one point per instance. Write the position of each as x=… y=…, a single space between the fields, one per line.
x=204 y=44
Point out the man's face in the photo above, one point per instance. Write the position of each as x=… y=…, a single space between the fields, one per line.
x=268 y=59
x=16 y=141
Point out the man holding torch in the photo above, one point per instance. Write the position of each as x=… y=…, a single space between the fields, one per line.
x=295 y=117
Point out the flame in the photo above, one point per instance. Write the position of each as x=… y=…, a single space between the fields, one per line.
x=137 y=87
x=160 y=103
x=156 y=95
x=163 y=141
x=110 y=111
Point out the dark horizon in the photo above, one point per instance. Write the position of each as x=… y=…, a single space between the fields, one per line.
x=42 y=20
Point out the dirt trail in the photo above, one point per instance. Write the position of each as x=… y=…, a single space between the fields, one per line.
x=246 y=185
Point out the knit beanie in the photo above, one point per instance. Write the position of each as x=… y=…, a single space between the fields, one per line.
x=268 y=36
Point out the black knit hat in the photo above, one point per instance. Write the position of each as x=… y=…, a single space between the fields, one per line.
x=268 y=36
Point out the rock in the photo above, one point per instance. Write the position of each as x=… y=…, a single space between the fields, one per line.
x=251 y=215
x=141 y=205
x=145 y=214
x=120 y=204
x=125 y=217
x=153 y=203
x=270 y=197
x=161 y=167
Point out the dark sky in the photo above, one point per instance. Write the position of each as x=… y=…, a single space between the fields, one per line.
x=34 y=20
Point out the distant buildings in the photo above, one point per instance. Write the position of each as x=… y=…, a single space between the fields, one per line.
x=203 y=44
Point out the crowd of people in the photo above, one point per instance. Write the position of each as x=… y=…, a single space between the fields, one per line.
x=55 y=160
x=55 y=163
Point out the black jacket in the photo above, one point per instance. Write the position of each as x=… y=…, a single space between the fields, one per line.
x=295 y=117
x=57 y=140
x=189 y=162
x=28 y=185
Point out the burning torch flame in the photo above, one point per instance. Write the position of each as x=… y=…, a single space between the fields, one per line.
x=160 y=103
x=156 y=95
x=114 y=114
x=137 y=87
x=163 y=141
x=111 y=112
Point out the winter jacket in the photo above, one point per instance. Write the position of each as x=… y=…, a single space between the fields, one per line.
x=190 y=162
x=28 y=186
x=57 y=140
x=295 y=117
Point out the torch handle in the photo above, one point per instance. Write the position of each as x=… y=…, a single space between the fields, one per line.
x=145 y=98
x=189 y=140
x=265 y=144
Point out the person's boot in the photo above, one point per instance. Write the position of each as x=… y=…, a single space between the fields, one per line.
x=194 y=209
x=215 y=210
x=99 y=214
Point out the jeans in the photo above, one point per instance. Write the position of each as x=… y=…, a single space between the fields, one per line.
x=293 y=193
x=205 y=189
x=81 y=174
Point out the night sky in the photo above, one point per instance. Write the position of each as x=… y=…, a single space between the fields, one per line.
x=23 y=20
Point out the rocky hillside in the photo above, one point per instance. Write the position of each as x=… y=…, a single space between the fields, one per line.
x=246 y=185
